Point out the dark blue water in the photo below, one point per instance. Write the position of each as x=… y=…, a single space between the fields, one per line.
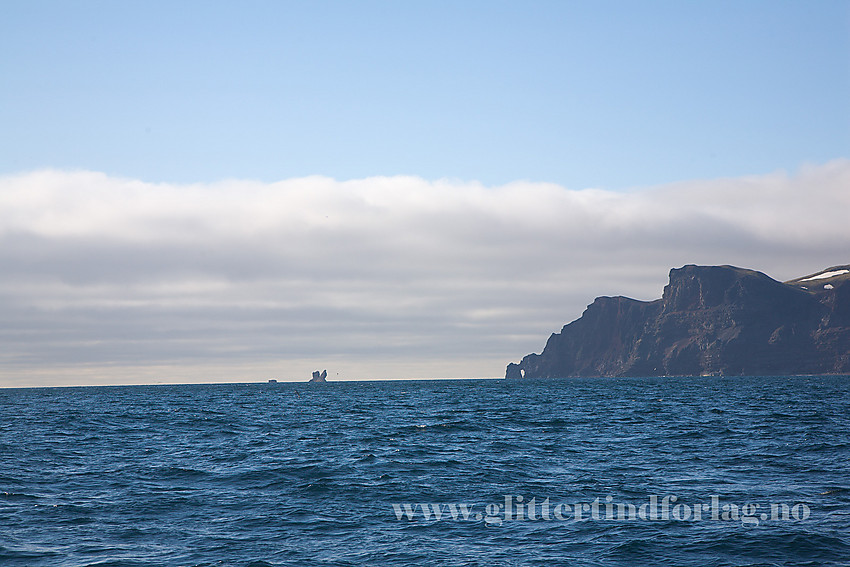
x=307 y=474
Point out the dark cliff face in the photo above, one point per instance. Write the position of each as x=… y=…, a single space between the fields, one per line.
x=717 y=320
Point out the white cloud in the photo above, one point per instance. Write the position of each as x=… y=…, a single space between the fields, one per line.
x=98 y=270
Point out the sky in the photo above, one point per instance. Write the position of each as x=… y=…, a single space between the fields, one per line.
x=221 y=191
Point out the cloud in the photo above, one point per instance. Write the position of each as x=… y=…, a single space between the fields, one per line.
x=393 y=273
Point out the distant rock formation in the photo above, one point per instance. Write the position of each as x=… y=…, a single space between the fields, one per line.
x=711 y=320
x=323 y=377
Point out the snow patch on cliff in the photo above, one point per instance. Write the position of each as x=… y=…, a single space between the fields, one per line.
x=826 y=275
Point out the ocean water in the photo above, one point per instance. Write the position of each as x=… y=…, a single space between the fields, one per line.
x=340 y=473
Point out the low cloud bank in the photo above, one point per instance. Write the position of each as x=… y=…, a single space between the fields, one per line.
x=398 y=274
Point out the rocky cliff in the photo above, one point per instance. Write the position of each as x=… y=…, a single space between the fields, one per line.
x=323 y=377
x=710 y=320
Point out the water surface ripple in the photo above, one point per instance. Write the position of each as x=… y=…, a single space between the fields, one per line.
x=307 y=474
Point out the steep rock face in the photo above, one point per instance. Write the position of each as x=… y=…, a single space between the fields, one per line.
x=717 y=320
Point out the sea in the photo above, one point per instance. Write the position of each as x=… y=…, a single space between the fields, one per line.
x=688 y=471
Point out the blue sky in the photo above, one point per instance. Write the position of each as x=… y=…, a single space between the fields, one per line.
x=235 y=191
x=583 y=94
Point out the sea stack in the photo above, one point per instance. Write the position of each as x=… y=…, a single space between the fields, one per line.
x=323 y=377
x=710 y=321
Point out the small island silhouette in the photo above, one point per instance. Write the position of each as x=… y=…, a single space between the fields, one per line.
x=323 y=377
